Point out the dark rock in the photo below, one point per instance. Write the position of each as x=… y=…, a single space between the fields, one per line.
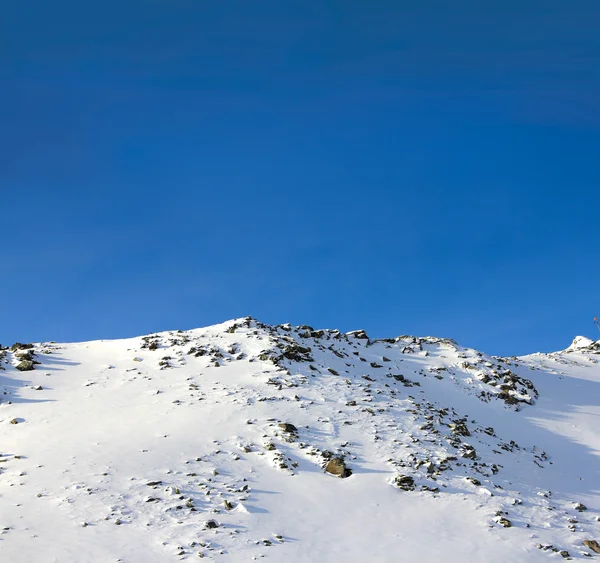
x=211 y=524
x=287 y=427
x=28 y=355
x=468 y=452
x=20 y=346
x=459 y=428
x=405 y=482
x=297 y=353
x=26 y=365
x=580 y=507
x=360 y=334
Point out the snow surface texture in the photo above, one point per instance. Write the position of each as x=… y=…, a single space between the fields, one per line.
x=213 y=443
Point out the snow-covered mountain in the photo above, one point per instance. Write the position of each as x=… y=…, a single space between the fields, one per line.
x=243 y=441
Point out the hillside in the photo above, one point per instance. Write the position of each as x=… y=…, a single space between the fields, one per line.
x=244 y=441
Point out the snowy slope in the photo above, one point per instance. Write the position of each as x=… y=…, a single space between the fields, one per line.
x=213 y=442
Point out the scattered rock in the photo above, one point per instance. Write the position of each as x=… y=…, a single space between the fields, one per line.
x=211 y=524
x=26 y=365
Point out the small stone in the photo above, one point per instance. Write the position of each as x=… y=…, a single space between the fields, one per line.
x=580 y=507
x=211 y=524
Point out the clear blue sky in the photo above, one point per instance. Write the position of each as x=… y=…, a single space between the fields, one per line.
x=403 y=167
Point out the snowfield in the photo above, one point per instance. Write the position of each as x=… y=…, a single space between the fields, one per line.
x=244 y=441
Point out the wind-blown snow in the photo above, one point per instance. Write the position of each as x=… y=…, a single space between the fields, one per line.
x=213 y=443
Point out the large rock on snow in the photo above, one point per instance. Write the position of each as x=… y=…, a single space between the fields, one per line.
x=405 y=482
x=337 y=466
x=26 y=365
x=593 y=545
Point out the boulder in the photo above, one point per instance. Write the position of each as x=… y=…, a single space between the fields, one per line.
x=593 y=545
x=405 y=482
x=337 y=466
x=287 y=427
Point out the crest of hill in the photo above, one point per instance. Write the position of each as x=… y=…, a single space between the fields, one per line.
x=211 y=442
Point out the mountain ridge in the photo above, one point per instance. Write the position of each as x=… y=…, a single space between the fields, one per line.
x=412 y=424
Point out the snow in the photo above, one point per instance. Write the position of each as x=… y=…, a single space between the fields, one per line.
x=124 y=450
x=580 y=342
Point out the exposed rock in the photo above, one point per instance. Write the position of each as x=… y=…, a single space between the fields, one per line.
x=405 y=482
x=211 y=524
x=20 y=346
x=459 y=428
x=360 y=334
x=297 y=353
x=287 y=427
x=593 y=545
x=28 y=355
x=337 y=466
x=580 y=507
x=468 y=452
x=26 y=365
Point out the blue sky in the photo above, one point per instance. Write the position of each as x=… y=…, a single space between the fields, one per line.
x=421 y=168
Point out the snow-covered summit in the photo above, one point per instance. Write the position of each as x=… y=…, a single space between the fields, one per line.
x=582 y=343
x=244 y=440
